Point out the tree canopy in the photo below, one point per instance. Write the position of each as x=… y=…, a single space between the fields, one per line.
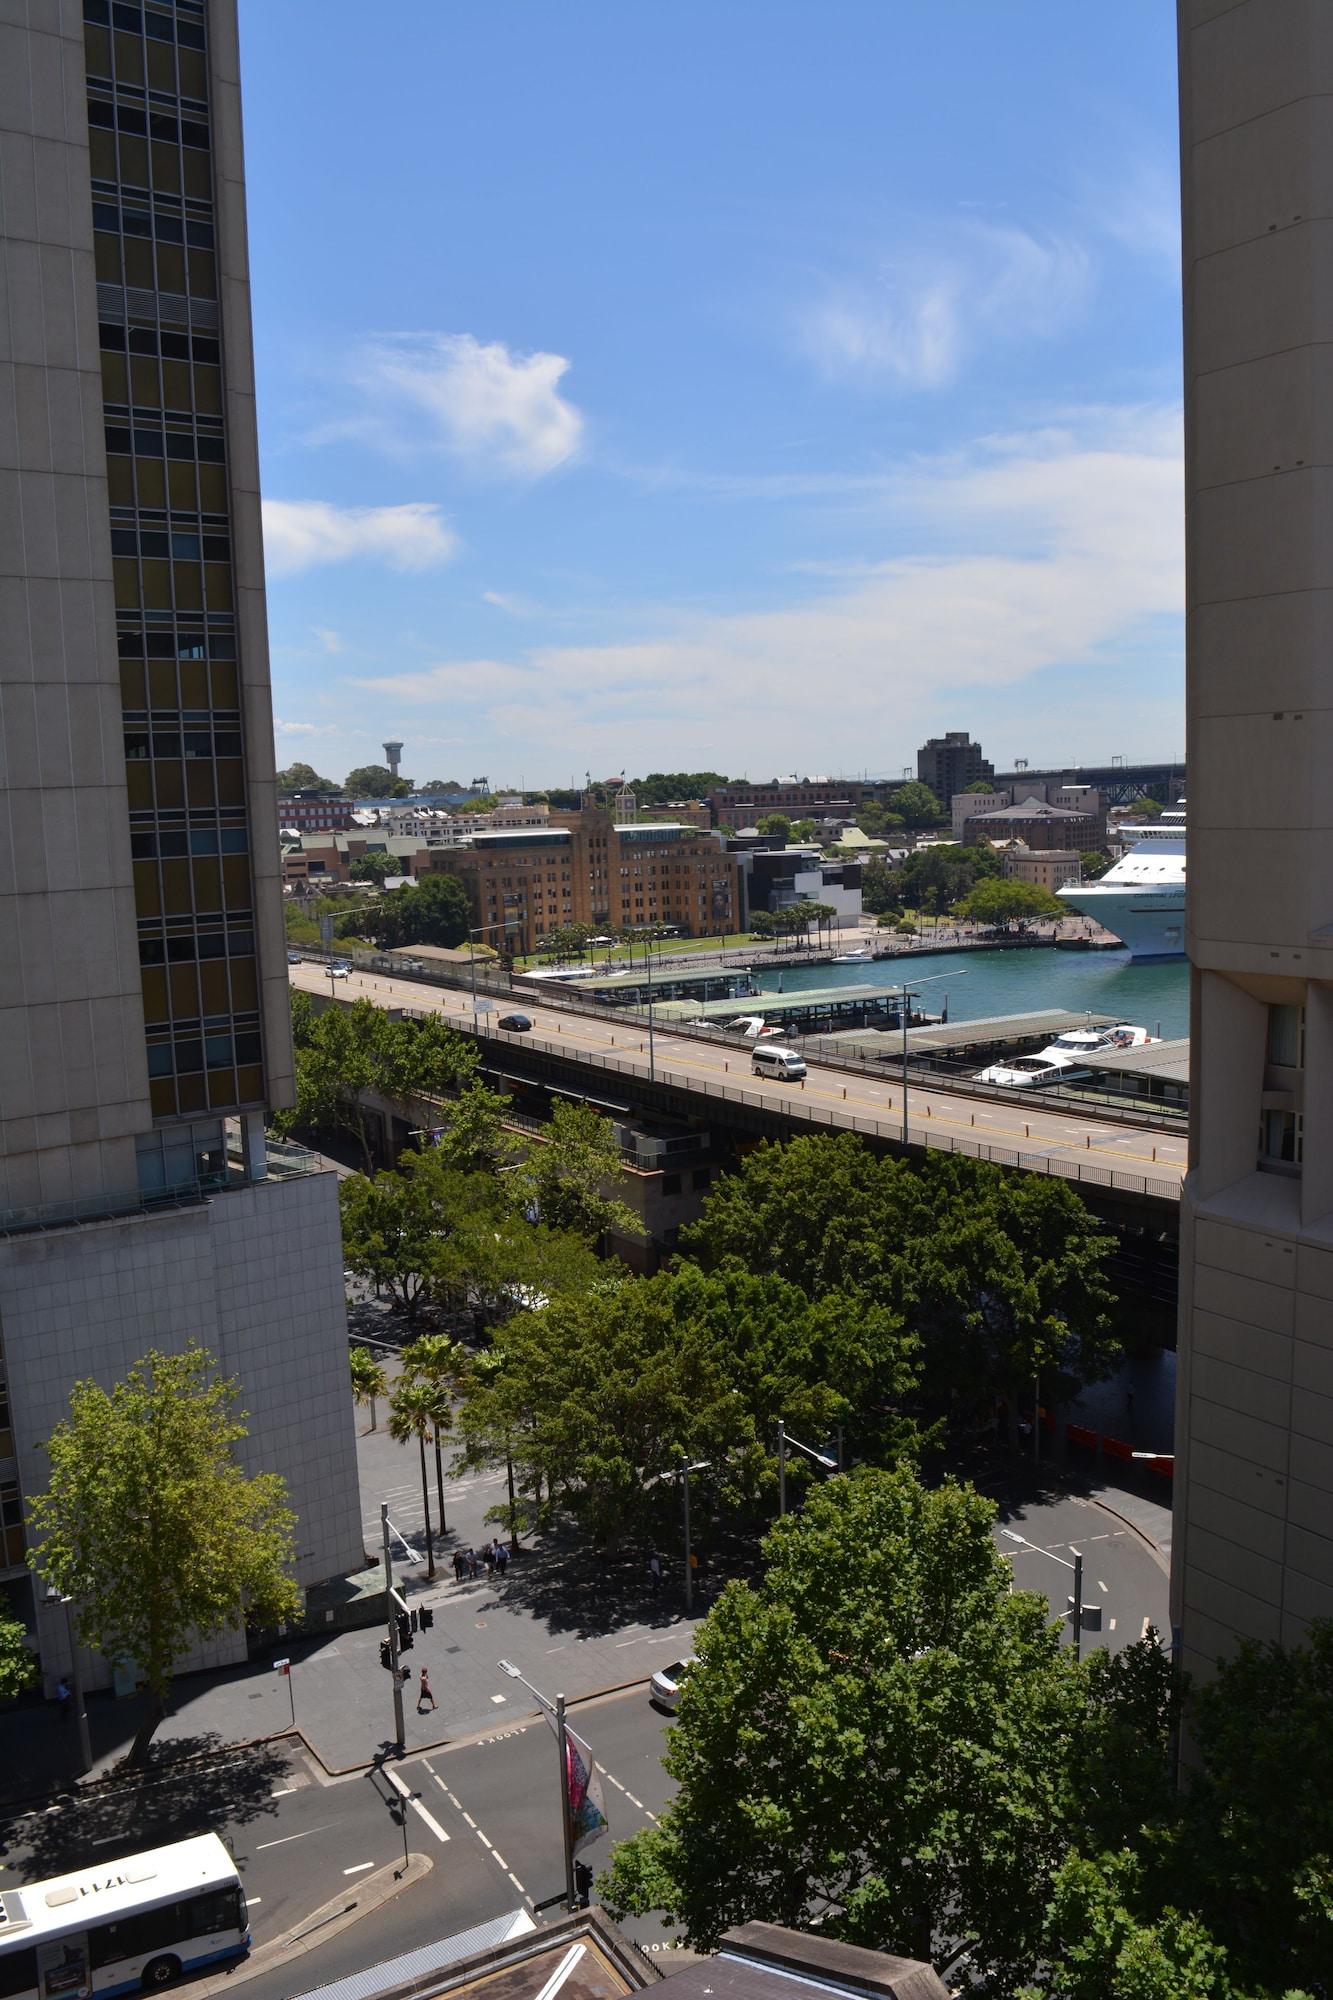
x=375 y=781
x=151 y=1525
x=436 y=911
x=374 y=867
x=18 y=1669
x=1001 y=1276
x=570 y=1172
x=661 y=788
x=1002 y=900
x=775 y=826
x=342 y=1052
x=916 y=804
x=300 y=777
x=874 y=1738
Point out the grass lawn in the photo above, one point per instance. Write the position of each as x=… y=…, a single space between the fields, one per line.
x=619 y=956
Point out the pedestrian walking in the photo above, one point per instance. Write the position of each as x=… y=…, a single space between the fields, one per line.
x=460 y=1565
x=490 y=1560
x=65 y=1698
x=473 y=1564
x=655 y=1571
x=425 y=1693
x=501 y=1557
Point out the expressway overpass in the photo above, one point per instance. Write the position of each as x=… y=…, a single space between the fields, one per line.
x=1125 y=1170
x=1122 y=783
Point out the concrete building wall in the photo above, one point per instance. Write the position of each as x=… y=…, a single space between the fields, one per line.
x=1254 y=1485
x=256 y=1277
x=73 y=1070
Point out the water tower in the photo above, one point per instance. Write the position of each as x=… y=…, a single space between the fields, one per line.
x=393 y=756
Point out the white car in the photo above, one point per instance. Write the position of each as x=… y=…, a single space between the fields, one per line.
x=340 y=972
x=1031 y=1072
x=665 y=1686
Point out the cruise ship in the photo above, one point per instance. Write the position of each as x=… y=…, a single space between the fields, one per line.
x=1141 y=899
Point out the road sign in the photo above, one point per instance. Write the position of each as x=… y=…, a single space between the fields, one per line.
x=282 y=1666
x=326 y=931
x=485 y=1006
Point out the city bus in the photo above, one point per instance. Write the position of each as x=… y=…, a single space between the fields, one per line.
x=121 y=1925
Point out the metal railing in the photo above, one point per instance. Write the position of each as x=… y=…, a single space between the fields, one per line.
x=284 y=1161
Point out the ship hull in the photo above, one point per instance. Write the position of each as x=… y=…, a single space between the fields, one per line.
x=1149 y=923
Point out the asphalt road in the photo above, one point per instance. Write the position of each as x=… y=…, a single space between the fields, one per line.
x=1076 y=1140
x=1123 y=1582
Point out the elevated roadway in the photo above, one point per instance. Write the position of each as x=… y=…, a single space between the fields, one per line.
x=609 y=1060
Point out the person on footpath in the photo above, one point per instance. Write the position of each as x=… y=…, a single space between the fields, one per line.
x=425 y=1692
x=460 y=1565
x=655 y=1572
x=501 y=1557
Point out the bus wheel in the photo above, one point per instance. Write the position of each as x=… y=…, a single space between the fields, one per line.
x=161 y=1971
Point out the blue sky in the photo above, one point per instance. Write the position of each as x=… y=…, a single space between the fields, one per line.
x=759 y=387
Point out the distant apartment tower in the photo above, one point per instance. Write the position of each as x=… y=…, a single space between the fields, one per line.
x=393 y=757
x=144 y=1026
x=1253 y=1541
x=951 y=763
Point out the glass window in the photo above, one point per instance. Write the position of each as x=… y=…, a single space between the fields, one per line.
x=1286 y=1029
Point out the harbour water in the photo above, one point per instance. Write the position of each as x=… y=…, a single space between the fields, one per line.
x=979 y=984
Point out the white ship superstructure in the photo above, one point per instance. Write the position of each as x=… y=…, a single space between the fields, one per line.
x=1141 y=900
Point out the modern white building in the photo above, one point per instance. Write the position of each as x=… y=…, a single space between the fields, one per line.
x=144 y=1023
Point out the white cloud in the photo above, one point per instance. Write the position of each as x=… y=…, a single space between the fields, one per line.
x=1062 y=551
x=498 y=411
x=281 y=728
x=301 y=534
x=330 y=641
x=918 y=318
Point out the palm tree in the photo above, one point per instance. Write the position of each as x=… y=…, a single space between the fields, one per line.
x=417 y=1408
x=440 y=1362
x=369 y=1381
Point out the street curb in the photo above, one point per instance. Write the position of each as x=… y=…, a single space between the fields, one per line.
x=329 y=1920
x=444 y=1744
x=1154 y=1548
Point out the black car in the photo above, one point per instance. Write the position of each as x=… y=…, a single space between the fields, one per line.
x=517 y=1024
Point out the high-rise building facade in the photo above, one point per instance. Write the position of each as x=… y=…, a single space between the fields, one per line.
x=951 y=763
x=144 y=1026
x=1253 y=1545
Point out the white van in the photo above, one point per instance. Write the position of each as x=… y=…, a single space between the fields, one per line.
x=769 y=1061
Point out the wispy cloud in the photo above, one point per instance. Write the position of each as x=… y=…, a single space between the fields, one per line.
x=916 y=318
x=498 y=412
x=330 y=641
x=1061 y=546
x=283 y=728
x=302 y=534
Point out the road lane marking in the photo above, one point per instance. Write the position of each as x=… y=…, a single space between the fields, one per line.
x=1100 y=1584
x=282 y=1792
x=288 y=1838
x=417 y=1806
x=359 y=1869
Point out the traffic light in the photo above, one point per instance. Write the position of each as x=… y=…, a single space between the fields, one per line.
x=413 y=1615
x=404 y=1632
x=427 y=1618
x=386 y=1653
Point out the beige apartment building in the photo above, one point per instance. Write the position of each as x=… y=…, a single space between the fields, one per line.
x=144 y=1027
x=591 y=869
x=1253 y=1543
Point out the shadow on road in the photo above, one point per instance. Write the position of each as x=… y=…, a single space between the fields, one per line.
x=188 y=1786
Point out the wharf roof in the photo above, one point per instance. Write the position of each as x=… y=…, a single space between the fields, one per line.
x=1169 y=1060
x=1030 y=809
x=946 y=1037
x=799 y=1000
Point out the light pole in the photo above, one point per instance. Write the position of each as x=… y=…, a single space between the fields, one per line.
x=54 y=1596
x=816 y=1457
x=556 y=1710
x=906 y=994
x=699 y=1465
x=481 y=930
x=398 y=1733
x=652 y=1058
x=1011 y=1534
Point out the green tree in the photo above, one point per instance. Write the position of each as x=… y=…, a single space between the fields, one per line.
x=775 y=826
x=873 y=1739
x=1097 y=1948
x=1146 y=808
x=876 y=821
x=418 y=1409
x=18 y=1669
x=471 y=1137
x=344 y=1053
x=374 y=867
x=568 y=1172
x=879 y=891
x=566 y=941
x=300 y=777
x=916 y=804
x=1002 y=900
x=441 y=1364
x=375 y=781
x=436 y=911
x=369 y=1381
x=151 y=1525
x=802 y=829
x=662 y=788
x=1001 y=1275
x=933 y=879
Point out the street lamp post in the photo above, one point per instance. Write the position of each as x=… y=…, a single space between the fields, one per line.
x=906 y=994
x=816 y=1457
x=1011 y=1534
x=398 y=1730
x=699 y=1465
x=556 y=1710
x=54 y=1596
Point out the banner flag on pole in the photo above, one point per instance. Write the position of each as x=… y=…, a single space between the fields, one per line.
x=587 y=1807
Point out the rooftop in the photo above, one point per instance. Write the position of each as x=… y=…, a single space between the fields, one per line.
x=1031 y=809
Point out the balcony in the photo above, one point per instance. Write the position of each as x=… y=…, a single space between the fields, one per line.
x=283 y=1161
